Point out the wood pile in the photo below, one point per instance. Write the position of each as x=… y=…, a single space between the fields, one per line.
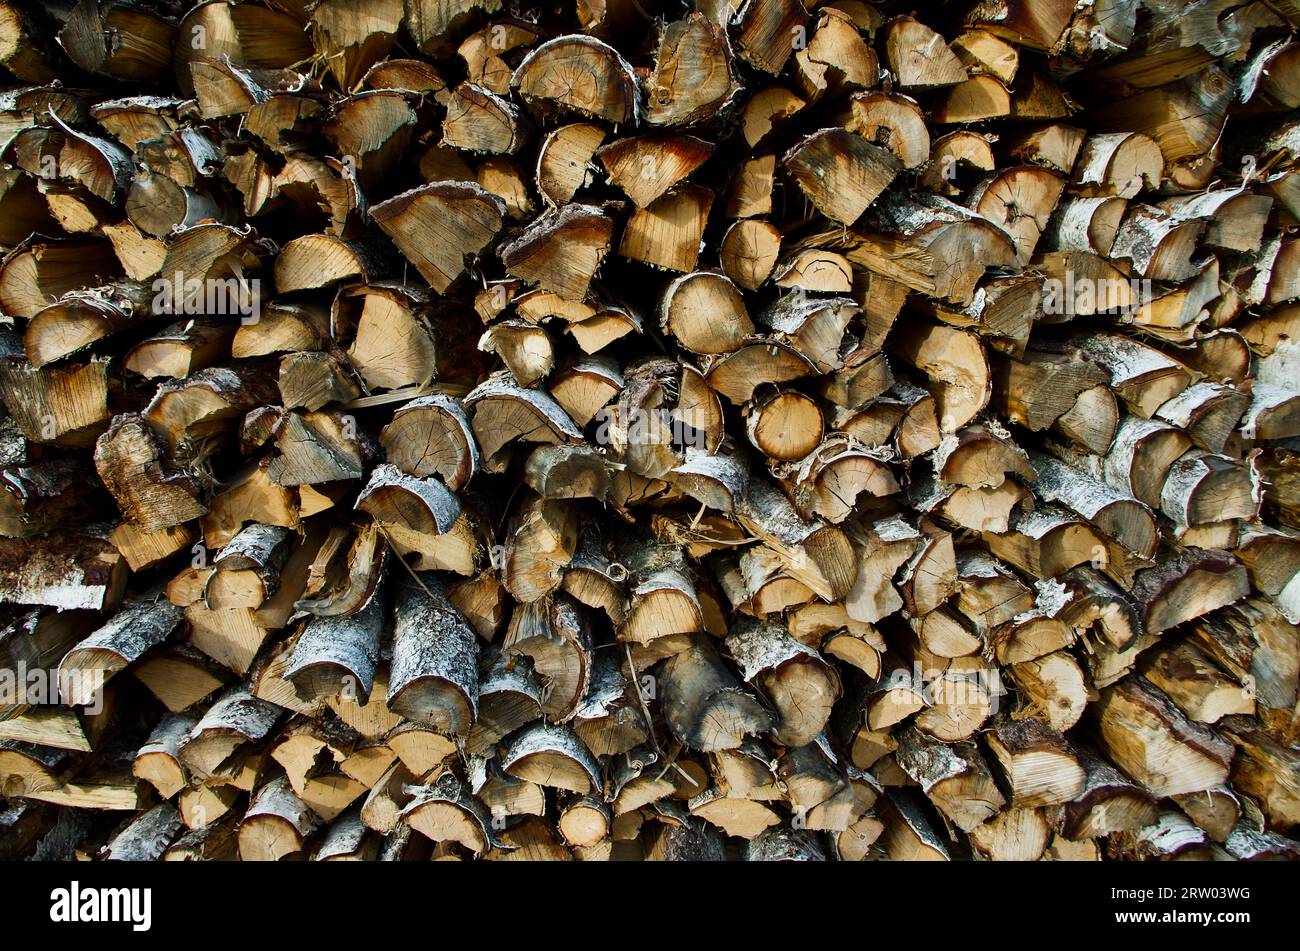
x=641 y=429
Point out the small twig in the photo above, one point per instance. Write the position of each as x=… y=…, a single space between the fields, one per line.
x=402 y=561
x=645 y=710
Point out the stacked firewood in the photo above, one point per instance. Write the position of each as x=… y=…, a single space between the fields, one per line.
x=643 y=429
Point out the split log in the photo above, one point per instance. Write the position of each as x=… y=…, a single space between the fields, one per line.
x=140 y=625
x=1107 y=802
x=1151 y=740
x=1038 y=765
x=549 y=77
x=335 y=655
x=800 y=685
x=437 y=225
x=1186 y=587
x=841 y=173
x=561 y=252
x=551 y=756
x=705 y=705
x=433 y=678
x=954 y=777
x=555 y=635
x=276 y=824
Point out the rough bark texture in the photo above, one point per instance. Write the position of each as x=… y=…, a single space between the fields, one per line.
x=612 y=429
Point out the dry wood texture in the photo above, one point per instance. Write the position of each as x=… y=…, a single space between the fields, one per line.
x=763 y=430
